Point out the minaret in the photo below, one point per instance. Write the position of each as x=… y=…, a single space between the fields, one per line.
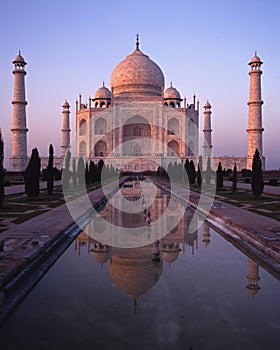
x=65 y=131
x=18 y=160
x=255 y=128
x=207 y=146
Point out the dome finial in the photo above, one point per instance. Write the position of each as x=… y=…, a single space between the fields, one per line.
x=256 y=53
x=171 y=83
x=103 y=84
x=137 y=41
x=19 y=52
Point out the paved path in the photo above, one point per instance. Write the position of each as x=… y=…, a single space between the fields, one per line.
x=16 y=189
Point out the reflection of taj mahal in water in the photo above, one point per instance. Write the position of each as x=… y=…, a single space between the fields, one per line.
x=137 y=123
x=134 y=270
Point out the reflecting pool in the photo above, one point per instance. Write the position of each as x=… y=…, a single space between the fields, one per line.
x=200 y=293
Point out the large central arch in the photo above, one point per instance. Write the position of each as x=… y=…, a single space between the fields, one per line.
x=136 y=136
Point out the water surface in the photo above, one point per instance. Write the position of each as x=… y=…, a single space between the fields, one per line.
x=203 y=293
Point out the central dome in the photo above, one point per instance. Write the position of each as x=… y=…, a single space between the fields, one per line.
x=137 y=74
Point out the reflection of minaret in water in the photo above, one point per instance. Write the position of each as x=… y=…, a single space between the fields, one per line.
x=206 y=235
x=253 y=277
x=81 y=241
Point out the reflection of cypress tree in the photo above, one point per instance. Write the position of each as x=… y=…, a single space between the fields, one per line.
x=74 y=172
x=234 y=179
x=66 y=171
x=50 y=174
x=2 y=173
x=81 y=171
x=257 y=178
x=32 y=175
x=219 y=176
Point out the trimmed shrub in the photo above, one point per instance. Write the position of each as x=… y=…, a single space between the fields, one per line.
x=32 y=175
x=257 y=178
x=273 y=182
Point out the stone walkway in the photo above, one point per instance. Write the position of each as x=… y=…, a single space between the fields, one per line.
x=15 y=189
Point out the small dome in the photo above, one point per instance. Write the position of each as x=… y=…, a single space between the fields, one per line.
x=19 y=59
x=101 y=252
x=207 y=105
x=66 y=104
x=255 y=59
x=170 y=252
x=137 y=74
x=103 y=93
x=172 y=93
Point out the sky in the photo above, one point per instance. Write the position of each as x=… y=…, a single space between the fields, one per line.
x=203 y=47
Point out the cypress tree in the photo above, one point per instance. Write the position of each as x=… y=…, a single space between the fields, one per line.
x=2 y=172
x=32 y=175
x=81 y=171
x=99 y=170
x=66 y=171
x=234 y=179
x=186 y=168
x=87 y=174
x=219 y=176
x=74 y=172
x=208 y=174
x=191 y=174
x=198 y=176
x=92 y=172
x=257 y=178
x=50 y=174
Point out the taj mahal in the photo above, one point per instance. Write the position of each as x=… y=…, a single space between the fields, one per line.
x=138 y=123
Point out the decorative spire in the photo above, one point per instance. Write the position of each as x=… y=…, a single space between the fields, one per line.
x=137 y=42
x=171 y=84
x=19 y=52
x=103 y=83
x=256 y=53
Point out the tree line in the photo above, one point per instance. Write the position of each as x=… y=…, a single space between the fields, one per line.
x=85 y=173
x=186 y=173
